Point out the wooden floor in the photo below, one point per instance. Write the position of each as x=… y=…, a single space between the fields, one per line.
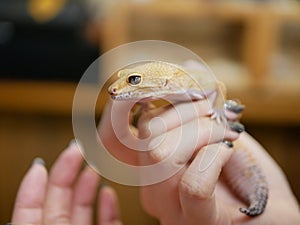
x=26 y=136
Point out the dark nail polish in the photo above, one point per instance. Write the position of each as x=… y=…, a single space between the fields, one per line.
x=236 y=126
x=73 y=141
x=234 y=106
x=39 y=161
x=228 y=143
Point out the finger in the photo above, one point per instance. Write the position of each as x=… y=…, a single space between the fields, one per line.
x=196 y=189
x=234 y=109
x=114 y=128
x=182 y=142
x=112 y=114
x=171 y=117
x=109 y=207
x=84 y=195
x=59 y=196
x=161 y=200
x=30 y=198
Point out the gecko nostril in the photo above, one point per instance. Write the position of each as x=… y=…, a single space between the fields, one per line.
x=114 y=90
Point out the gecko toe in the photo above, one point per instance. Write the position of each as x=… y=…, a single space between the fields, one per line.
x=218 y=115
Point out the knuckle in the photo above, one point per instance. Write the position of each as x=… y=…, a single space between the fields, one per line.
x=191 y=188
x=158 y=155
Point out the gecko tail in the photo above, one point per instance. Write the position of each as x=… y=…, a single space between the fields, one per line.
x=248 y=181
x=258 y=201
x=256 y=208
x=251 y=211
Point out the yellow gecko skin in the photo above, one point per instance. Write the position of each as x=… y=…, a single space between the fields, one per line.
x=152 y=80
x=164 y=80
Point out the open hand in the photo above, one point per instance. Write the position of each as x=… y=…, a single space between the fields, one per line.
x=64 y=197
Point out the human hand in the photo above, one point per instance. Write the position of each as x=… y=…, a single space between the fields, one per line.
x=115 y=112
x=66 y=196
x=195 y=196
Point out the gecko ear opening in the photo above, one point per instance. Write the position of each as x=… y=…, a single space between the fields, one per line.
x=134 y=79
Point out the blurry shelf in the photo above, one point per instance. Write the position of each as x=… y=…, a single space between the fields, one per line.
x=255 y=30
x=37 y=97
x=57 y=99
x=275 y=103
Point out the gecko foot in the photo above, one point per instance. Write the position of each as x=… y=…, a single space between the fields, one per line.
x=218 y=115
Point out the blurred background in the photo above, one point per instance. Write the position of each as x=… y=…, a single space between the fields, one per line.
x=46 y=45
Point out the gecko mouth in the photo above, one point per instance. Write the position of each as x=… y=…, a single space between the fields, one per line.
x=131 y=96
x=113 y=96
x=123 y=96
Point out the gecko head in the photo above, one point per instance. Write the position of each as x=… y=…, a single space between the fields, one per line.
x=150 y=80
x=126 y=85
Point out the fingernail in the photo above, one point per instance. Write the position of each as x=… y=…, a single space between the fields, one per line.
x=228 y=143
x=72 y=142
x=102 y=185
x=236 y=126
x=234 y=106
x=38 y=161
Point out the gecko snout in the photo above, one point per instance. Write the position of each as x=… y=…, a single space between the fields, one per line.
x=112 y=90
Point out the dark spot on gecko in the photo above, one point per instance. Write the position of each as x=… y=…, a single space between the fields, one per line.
x=166 y=83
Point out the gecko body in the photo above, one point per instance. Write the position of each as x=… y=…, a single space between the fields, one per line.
x=152 y=80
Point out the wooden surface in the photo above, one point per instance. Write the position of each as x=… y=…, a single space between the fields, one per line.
x=270 y=104
x=54 y=98
x=40 y=97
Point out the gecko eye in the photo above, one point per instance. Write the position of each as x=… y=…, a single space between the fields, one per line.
x=134 y=79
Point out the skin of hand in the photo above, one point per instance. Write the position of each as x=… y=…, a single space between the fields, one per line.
x=194 y=196
x=65 y=196
x=189 y=197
